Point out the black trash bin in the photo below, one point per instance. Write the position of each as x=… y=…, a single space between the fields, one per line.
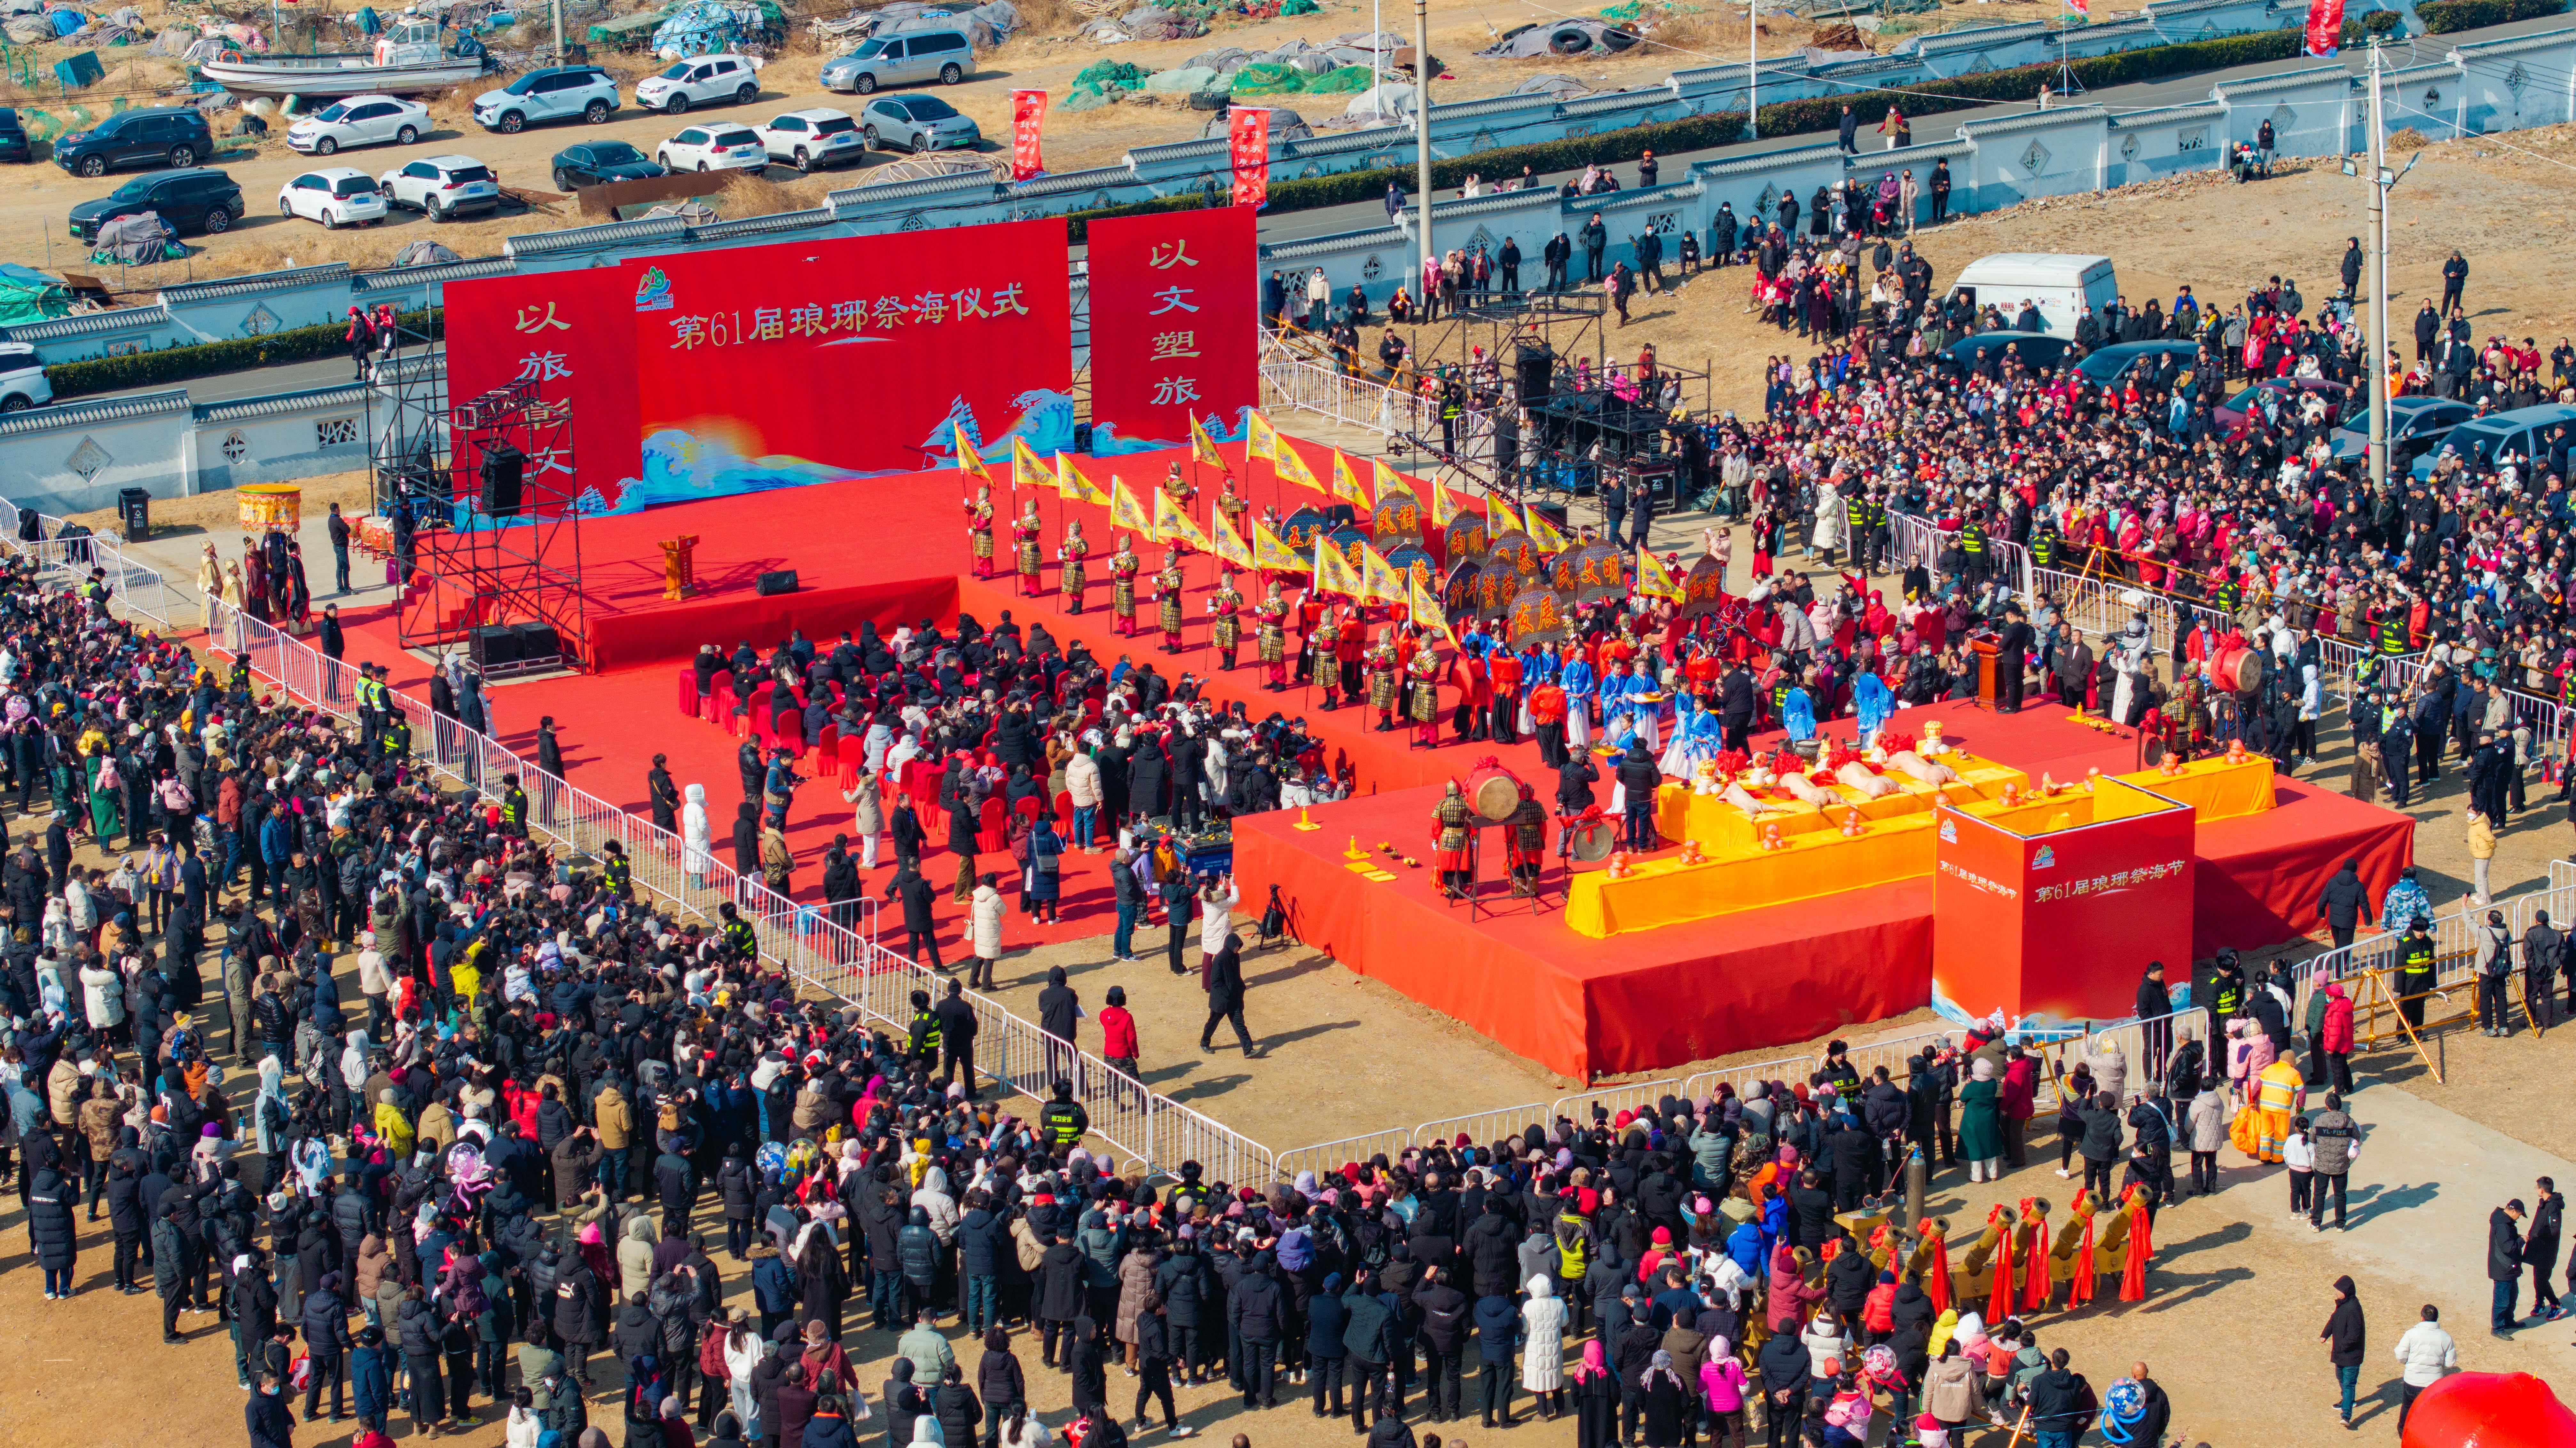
x=134 y=513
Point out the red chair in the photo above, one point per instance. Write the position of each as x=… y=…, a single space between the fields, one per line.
x=689 y=690
x=1064 y=819
x=787 y=731
x=993 y=831
x=827 y=752
x=1032 y=806
x=719 y=696
x=758 y=718
x=853 y=752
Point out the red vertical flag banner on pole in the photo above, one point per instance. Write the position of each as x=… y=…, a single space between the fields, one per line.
x=1028 y=133
x=1248 y=138
x=1175 y=312
x=2325 y=26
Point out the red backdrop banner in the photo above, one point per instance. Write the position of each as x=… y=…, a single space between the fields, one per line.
x=569 y=333
x=1174 y=320
x=2325 y=26
x=1247 y=131
x=774 y=366
x=1028 y=133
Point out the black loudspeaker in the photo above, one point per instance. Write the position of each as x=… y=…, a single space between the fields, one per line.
x=503 y=468
x=495 y=644
x=782 y=581
x=538 y=641
x=1082 y=437
x=1537 y=366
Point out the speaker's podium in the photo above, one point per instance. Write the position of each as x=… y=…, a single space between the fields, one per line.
x=2050 y=910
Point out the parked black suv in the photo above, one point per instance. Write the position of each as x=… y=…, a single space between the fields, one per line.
x=13 y=136
x=199 y=200
x=174 y=136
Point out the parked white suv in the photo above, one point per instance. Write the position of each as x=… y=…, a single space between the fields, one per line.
x=23 y=383
x=556 y=93
x=336 y=196
x=705 y=80
x=818 y=137
x=725 y=147
x=442 y=186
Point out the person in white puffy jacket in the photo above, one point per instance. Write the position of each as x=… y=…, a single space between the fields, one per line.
x=693 y=834
x=1082 y=782
x=104 y=993
x=985 y=931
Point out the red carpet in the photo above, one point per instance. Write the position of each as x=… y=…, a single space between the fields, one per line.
x=1648 y=1001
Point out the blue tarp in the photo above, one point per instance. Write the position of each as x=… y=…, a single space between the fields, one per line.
x=67 y=21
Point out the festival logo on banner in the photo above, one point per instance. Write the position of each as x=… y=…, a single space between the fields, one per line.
x=2325 y=26
x=1175 y=315
x=807 y=361
x=568 y=333
x=1028 y=127
x=1247 y=131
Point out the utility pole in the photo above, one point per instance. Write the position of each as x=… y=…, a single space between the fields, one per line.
x=556 y=6
x=1422 y=126
x=1753 y=70
x=2377 y=372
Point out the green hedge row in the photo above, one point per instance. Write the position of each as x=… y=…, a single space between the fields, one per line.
x=2022 y=83
x=2444 y=17
x=205 y=359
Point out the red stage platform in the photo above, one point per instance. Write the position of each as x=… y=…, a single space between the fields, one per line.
x=1641 y=1002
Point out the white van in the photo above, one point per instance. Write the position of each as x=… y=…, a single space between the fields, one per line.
x=2060 y=284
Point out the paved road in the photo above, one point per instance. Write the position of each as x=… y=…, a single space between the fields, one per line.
x=1325 y=221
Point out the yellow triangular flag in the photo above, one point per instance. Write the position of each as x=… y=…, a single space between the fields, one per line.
x=1427 y=610
x=967 y=461
x=1655 y=580
x=1170 y=523
x=1071 y=482
x=1292 y=468
x=1332 y=571
x=1026 y=470
x=1542 y=532
x=1444 y=509
x=1380 y=581
x=1346 y=484
x=1382 y=477
x=1261 y=440
x=1268 y=551
x=1203 y=447
x=1226 y=543
x=1124 y=510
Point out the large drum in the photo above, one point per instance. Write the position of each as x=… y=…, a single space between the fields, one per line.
x=2238 y=669
x=1492 y=791
x=271 y=505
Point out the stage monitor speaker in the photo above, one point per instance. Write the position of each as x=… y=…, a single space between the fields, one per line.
x=782 y=581
x=538 y=641
x=503 y=468
x=1537 y=367
x=495 y=644
x=1082 y=437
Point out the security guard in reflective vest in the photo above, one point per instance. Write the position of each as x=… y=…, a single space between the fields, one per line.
x=2043 y=543
x=2415 y=972
x=397 y=736
x=1063 y=1121
x=2227 y=595
x=2388 y=634
x=613 y=869
x=1972 y=548
x=514 y=806
x=925 y=1030
x=1873 y=533
x=738 y=932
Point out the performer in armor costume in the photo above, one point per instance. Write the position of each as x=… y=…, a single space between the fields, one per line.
x=1423 y=698
x=1227 y=606
x=1123 y=568
x=979 y=529
x=1384 y=680
x=1167 y=598
x=1452 y=826
x=1024 y=542
x=1073 y=578
x=1274 y=639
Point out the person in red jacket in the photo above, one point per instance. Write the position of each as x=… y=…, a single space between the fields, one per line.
x=1118 y=1032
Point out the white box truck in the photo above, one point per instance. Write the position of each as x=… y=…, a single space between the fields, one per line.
x=2059 y=284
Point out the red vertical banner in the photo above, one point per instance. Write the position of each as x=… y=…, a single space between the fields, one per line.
x=1028 y=133
x=1248 y=141
x=1175 y=317
x=2325 y=26
x=572 y=334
